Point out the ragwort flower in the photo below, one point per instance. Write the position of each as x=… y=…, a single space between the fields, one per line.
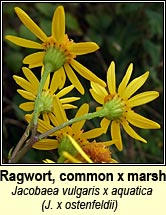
x=60 y=42
x=71 y=151
x=30 y=89
x=89 y=153
x=118 y=104
x=76 y=132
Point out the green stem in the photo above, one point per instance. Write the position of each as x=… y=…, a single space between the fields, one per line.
x=47 y=69
x=61 y=159
x=87 y=116
x=18 y=152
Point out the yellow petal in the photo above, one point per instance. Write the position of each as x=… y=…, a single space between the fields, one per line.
x=31 y=78
x=140 y=121
x=131 y=132
x=48 y=161
x=115 y=133
x=58 y=24
x=83 y=48
x=68 y=106
x=73 y=78
x=61 y=77
x=59 y=111
x=46 y=118
x=28 y=117
x=98 y=108
x=30 y=24
x=69 y=99
x=96 y=132
x=113 y=161
x=79 y=149
x=54 y=83
x=53 y=119
x=81 y=111
x=99 y=90
x=27 y=106
x=24 y=84
x=43 y=126
x=108 y=143
x=34 y=60
x=27 y=95
x=47 y=83
x=97 y=97
x=142 y=98
x=46 y=144
x=24 y=42
x=64 y=91
x=134 y=85
x=104 y=124
x=86 y=73
x=111 y=78
x=125 y=80
x=70 y=157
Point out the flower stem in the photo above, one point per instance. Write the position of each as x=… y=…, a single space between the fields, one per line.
x=20 y=143
x=47 y=69
x=87 y=116
x=26 y=147
x=18 y=151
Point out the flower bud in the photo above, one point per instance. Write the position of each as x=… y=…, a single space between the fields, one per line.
x=54 y=58
x=113 y=108
x=45 y=102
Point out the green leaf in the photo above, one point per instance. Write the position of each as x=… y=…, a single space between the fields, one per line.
x=155 y=20
x=92 y=21
x=14 y=61
x=72 y=23
x=17 y=100
x=153 y=50
x=45 y=25
x=47 y=9
x=27 y=34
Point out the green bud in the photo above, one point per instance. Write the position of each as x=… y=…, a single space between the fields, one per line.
x=113 y=109
x=54 y=58
x=45 y=102
x=65 y=145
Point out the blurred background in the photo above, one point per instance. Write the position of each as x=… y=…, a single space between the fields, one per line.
x=125 y=32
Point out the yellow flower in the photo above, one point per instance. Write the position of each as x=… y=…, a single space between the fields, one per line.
x=97 y=152
x=60 y=41
x=75 y=131
x=119 y=103
x=89 y=153
x=30 y=89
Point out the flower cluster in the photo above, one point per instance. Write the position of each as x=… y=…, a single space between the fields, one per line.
x=47 y=119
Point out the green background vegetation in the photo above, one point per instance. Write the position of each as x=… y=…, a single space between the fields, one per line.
x=125 y=32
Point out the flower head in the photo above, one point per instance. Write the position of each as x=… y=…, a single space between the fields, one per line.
x=30 y=89
x=118 y=104
x=72 y=152
x=57 y=48
x=57 y=140
x=97 y=152
x=91 y=152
